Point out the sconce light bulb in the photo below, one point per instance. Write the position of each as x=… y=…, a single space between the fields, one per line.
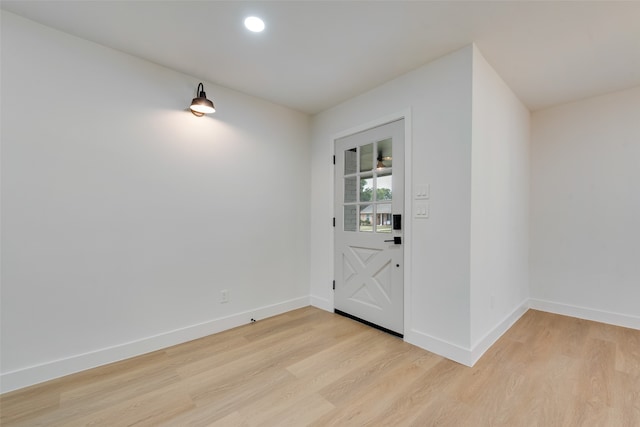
x=201 y=105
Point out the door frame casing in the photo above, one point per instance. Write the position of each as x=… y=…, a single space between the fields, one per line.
x=408 y=213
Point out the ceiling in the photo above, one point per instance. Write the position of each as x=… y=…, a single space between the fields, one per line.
x=316 y=54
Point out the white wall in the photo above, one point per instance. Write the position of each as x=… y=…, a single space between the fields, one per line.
x=437 y=249
x=499 y=206
x=585 y=208
x=124 y=216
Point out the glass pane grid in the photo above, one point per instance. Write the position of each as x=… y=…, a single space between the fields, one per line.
x=368 y=188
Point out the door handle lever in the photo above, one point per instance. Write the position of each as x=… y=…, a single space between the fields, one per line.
x=397 y=240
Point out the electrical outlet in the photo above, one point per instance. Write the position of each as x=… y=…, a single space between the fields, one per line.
x=224 y=296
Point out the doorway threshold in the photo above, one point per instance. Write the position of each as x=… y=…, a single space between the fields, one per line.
x=373 y=325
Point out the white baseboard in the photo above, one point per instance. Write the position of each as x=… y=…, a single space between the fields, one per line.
x=465 y=356
x=321 y=303
x=36 y=374
x=617 y=319
x=439 y=346
x=493 y=335
x=58 y=368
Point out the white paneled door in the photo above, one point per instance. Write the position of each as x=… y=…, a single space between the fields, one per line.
x=369 y=204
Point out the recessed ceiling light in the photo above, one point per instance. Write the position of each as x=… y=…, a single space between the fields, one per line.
x=255 y=24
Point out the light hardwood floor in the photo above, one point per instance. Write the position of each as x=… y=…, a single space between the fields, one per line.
x=310 y=367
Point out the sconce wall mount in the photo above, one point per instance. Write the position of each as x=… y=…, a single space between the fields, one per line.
x=201 y=105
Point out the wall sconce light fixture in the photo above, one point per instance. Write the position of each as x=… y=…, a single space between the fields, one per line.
x=201 y=105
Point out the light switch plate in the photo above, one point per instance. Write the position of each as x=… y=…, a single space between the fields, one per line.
x=421 y=210
x=422 y=192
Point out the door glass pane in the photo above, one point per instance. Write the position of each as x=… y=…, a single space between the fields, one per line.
x=384 y=155
x=383 y=218
x=384 y=185
x=351 y=218
x=366 y=218
x=366 y=158
x=366 y=189
x=351 y=189
x=350 y=161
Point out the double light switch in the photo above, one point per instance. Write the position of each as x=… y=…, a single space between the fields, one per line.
x=421 y=206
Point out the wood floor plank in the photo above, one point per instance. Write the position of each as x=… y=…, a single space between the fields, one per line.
x=626 y=394
x=310 y=379
x=149 y=409
x=311 y=407
x=362 y=378
x=443 y=411
x=418 y=394
x=122 y=385
x=366 y=404
x=628 y=352
x=361 y=343
x=593 y=390
x=309 y=367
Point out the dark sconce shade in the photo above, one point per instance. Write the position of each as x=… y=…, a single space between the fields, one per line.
x=201 y=105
